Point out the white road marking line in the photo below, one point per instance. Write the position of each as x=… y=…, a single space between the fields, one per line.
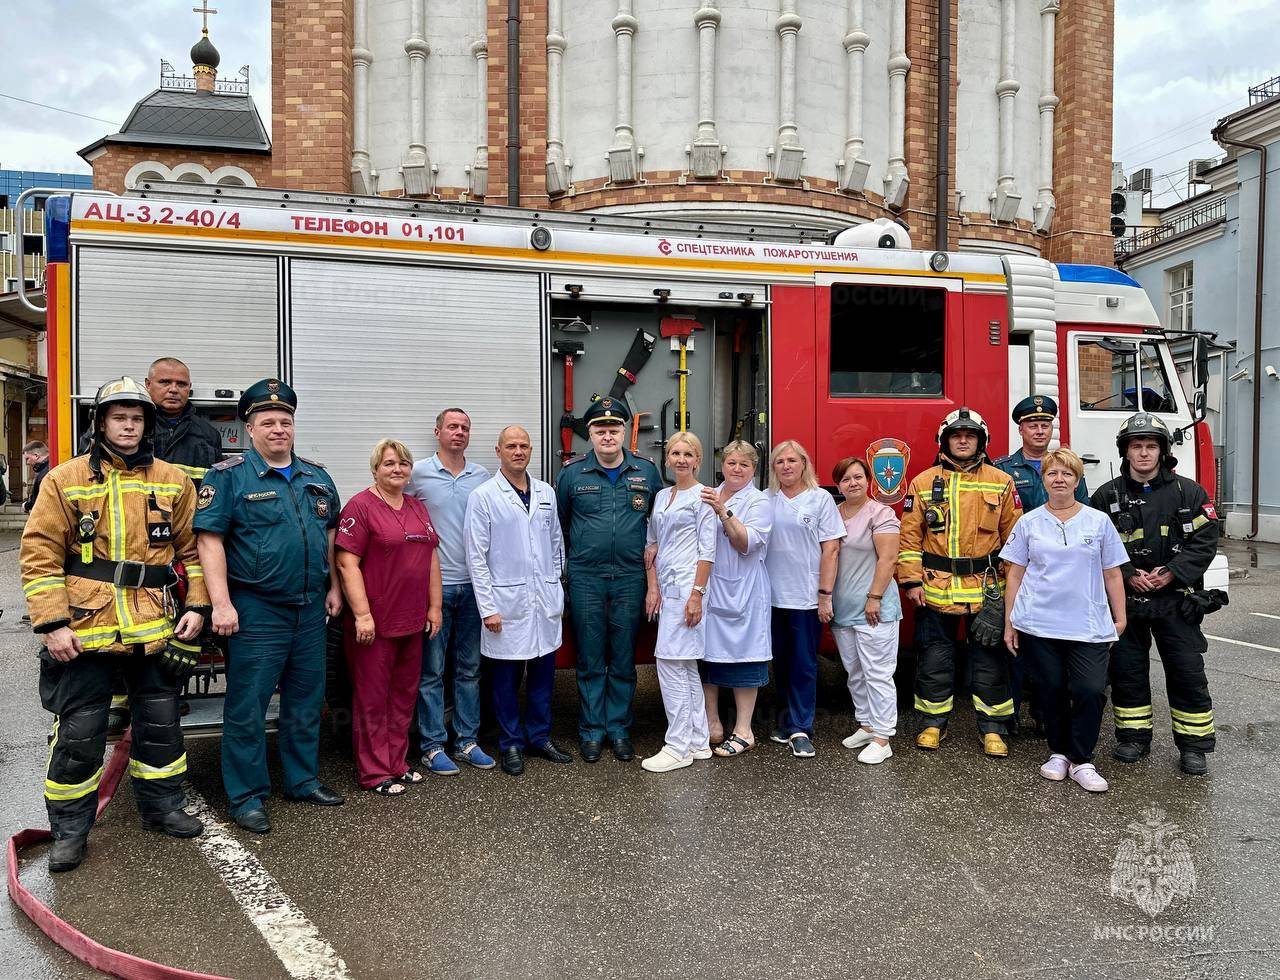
x=1242 y=643
x=1265 y=615
x=290 y=934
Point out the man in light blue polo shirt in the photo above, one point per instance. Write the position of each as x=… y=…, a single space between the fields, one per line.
x=443 y=482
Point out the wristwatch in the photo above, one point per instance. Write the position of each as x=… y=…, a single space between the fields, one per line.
x=728 y=515
x=825 y=592
x=700 y=589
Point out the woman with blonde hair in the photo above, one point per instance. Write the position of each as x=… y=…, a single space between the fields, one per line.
x=801 y=561
x=1065 y=606
x=681 y=550
x=390 y=571
x=738 y=650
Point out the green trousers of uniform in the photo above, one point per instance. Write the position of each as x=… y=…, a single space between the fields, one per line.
x=606 y=615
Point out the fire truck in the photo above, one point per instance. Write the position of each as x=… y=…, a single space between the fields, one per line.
x=381 y=312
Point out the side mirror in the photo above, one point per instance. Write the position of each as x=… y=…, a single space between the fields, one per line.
x=1200 y=365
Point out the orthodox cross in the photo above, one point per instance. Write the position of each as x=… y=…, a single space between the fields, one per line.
x=204 y=11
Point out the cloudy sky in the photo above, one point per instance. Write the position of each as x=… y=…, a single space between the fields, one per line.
x=1180 y=65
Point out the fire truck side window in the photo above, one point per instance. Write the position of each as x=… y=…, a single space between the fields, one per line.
x=887 y=341
x=1109 y=378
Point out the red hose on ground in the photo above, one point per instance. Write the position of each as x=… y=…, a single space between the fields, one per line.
x=102 y=958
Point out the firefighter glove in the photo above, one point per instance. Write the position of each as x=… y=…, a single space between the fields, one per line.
x=987 y=628
x=1194 y=606
x=178 y=663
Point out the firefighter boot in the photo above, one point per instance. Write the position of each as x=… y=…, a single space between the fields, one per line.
x=1193 y=763
x=175 y=823
x=930 y=738
x=1130 y=751
x=67 y=853
x=994 y=746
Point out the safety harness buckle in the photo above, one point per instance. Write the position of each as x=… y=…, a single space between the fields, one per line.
x=129 y=575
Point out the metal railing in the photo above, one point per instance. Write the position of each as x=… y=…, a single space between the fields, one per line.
x=1204 y=214
x=1267 y=90
x=187 y=83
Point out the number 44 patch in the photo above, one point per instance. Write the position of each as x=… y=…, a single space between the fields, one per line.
x=160 y=532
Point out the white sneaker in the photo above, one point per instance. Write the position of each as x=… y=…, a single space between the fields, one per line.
x=1089 y=778
x=858 y=739
x=1056 y=768
x=702 y=753
x=875 y=753
x=665 y=761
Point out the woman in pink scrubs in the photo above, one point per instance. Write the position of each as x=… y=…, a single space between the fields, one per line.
x=386 y=553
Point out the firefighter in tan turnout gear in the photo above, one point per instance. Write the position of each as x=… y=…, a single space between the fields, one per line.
x=102 y=570
x=956 y=516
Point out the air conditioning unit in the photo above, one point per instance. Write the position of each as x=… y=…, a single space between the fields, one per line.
x=1117 y=175
x=1141 y=180
x=1196 y=169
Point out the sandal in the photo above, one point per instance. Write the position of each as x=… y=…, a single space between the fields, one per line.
x=388 y=787
x=716 y=739
x=410 y=777
x=733 y=745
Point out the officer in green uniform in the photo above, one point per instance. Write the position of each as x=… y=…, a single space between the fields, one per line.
x=266 y=521
x=605 y=499
x=1034 y=417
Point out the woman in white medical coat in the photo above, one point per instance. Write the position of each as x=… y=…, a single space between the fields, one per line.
x=682 y=533
x=738 y=642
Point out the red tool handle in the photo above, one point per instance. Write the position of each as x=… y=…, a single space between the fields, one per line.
x=566 y=432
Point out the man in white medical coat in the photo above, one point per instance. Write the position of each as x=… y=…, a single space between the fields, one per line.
x=516 y=555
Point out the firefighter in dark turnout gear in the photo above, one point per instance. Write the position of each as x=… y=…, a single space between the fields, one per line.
x=1170 y=530
x=98 y=573
x=956 y=517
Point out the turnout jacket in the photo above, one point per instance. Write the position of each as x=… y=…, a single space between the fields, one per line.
x=140 y=515
x=950 y=514
x=192 y=445
x=1172 y=524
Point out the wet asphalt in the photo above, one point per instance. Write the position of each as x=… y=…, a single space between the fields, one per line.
x=943 y=865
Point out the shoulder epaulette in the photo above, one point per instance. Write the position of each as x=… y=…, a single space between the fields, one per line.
x=1003 y=459
x=226 y=464
x=647 y=459
x=577 y=458
x=313 y=462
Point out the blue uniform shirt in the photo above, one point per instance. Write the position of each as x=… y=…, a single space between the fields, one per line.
x=446 y=498
x=1026 y=478
x=605 y=520
x=275 y=529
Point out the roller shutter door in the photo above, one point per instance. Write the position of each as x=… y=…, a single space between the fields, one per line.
x=378 y=350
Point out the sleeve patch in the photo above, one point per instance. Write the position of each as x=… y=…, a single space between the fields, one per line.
x=909 y=504
x=1210 y=513
x=205 y=495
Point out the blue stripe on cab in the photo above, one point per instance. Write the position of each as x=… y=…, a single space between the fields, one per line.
x=1094 y=273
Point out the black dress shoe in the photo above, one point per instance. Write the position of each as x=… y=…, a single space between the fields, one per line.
x=1194 y=763
x=551 y=752
x=623 y=750
x=591 y=750
x=67 y=853
x=175 y=823
x=1129 y=751
x=512 y=762
x=254 y=821
x=322 y=795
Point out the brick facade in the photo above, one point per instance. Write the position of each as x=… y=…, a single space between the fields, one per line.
x=117 y=159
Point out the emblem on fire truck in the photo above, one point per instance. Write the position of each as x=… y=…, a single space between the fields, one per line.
x=888 y=459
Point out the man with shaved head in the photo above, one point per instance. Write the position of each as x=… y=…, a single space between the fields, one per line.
x=183 y=438
x=515 y=553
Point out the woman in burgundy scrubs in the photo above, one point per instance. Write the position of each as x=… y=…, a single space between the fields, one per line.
x=391 y=576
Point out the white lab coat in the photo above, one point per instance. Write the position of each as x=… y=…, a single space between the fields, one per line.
x=685 y=533
x=516 y=558
x=738 y=598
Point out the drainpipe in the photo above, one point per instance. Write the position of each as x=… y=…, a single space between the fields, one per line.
x=513 y=103
x=1220 y=137
x=943 y=189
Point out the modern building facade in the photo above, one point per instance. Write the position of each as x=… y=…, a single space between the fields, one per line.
x=1211 y=265
x=815 y=112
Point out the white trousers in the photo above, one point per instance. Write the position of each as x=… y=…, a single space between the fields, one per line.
x=686 y=708
x=870 y=656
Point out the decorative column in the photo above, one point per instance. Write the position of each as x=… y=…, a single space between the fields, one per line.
x=896 y=180
x=705 y=153
x=1046 y=204
x=1005 y=200
x=557 y=175
x=362 y=181
x=416 y=168
x=479 y=169
x=624 y=162
x=788 y=155
x=853 y=169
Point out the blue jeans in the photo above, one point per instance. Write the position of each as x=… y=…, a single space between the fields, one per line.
x=460 y=636
x=276 y=645
x=796 y=635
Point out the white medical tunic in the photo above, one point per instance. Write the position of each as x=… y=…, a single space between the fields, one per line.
x=738 y=597
x=516 y=557
x=1062 y=595
x=800 y=525
x=684 y=529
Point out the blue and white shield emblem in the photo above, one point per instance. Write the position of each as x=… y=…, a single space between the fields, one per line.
x=888 y=459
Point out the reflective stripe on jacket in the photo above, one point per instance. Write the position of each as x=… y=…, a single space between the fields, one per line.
x=141 y=515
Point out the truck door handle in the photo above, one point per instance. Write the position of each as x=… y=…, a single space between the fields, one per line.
x=1090 y=460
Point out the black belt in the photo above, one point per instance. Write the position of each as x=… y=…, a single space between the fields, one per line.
x=961 y=566
x=125 y=574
